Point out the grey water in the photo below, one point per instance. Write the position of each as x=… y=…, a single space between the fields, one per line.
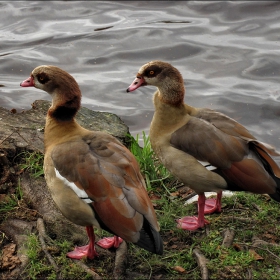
x=227 y=51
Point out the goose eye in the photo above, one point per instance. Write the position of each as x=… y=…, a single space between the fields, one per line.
x=42 y=78
x=152 y=72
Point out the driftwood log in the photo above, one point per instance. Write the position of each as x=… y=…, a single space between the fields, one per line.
x=24 y=131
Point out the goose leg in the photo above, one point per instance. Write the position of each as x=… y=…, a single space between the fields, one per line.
x=213 y=205
x=109 y=242
x=87 y=250
x=193 y=223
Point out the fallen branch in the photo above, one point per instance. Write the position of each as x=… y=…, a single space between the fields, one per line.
x=228 y=237
x=201 y=261
x=120 y=260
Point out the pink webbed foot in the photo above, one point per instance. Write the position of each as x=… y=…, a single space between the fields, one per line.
x=83 y=252
x=210 y=206
x=191 y=223
x=109 y=242
x=213 y=205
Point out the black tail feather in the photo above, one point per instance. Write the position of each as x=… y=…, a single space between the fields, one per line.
x=276 y=195
x=150 y=239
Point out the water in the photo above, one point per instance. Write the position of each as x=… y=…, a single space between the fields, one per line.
x=228 y=53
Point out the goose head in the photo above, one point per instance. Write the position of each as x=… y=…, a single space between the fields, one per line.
x=60 y=85
x=157 y=73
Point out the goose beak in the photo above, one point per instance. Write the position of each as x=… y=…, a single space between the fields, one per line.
x=29 y=82
x=138 y=82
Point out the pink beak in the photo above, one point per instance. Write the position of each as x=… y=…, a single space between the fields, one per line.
x=138 y=82
x=29 y=82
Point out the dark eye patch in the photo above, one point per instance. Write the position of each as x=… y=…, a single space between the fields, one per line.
x=152 y=71
x=43 y=78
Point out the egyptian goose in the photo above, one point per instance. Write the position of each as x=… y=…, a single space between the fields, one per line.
x=183 y=137
x=93 y=179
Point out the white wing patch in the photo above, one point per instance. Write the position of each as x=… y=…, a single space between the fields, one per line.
x=80 y=193
x=207 y=165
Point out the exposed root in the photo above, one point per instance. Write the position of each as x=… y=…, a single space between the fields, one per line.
x=87 y=269
x=42 y=234
x=201 y=261
x=120 y=261
x=228 y=237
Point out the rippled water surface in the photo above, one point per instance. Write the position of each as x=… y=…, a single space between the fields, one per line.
x=228 y=53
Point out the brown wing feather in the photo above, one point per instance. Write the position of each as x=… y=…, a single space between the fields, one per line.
x=223 y=122
x=238 y=159
x=207 y=143
x=110 y=175
x=249 y=175
x=231 y=127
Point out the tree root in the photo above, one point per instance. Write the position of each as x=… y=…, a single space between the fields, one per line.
x=87 y=269
x=228 y=237
x=120 y=260
x=201 y=261
x=42 y=235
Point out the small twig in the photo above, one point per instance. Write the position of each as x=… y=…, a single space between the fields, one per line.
x=249 y=277
x=42 y=232
x=257 y=207
x=261 y=248
x=35 y=149
x=88 y=270
x=265 y=249
x=120 y=260
x=247 y=220
x=6 y=138
x=228 y=237
x=201 y=261
x=257 y=241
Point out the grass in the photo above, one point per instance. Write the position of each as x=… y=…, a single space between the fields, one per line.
x=248 y=215
x=32 y=162
x=11 y=201
x=39 y=268
x=154 y=172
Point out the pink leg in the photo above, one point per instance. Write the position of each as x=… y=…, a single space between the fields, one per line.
x=213 y=205
x=193 y=223
x=109 y=242
x=85 y=251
